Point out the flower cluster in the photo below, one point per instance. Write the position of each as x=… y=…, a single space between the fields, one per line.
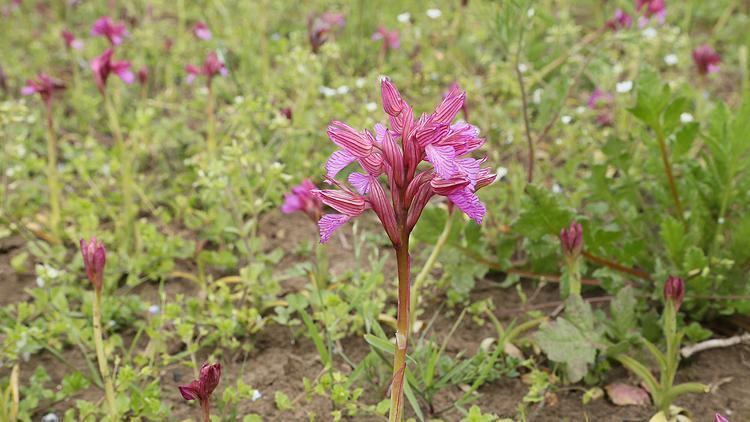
x=43 y=85
x=114 y=32
x=706 y=59
x=103 y=66
x=94 y=258
x=621 y=20
x=397 y=152
x=301 y=198
x=651 y=9
x=200 y=30
x=320 y=26
x=674 y=290
x=391 y=39
x=70 y=40
x=211 y=67
x=202 y=388
x=571 y=239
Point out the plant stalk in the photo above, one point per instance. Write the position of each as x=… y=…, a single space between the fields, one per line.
x=211 y=122
x=52 y=175
x=101 y=356
x=668 y=171
x=402 y=323
x=126 y=175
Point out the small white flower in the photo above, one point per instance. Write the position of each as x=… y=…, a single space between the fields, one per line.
x=154 y=309
x=649 y=33
x=434 y=13
x=50 y=417
x=624 y=86
x=239 y=99
x=40 y=282
x=509 y=138
x=556 y=188
x=256 y=395
x=522 y=67
x=275 y=36
x=327 y=92
x=530 y=12
x=721 y=220
x=580 y=109
x=671 y=59
x=686 y=117
x=566 y=119
x=537 y=96
x=343 y=90
x=359 y=83
x=404 y=17
x=558 y=141
x=501 y=172
x=371 y=106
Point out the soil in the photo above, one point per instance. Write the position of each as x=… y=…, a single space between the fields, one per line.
x=279 y=361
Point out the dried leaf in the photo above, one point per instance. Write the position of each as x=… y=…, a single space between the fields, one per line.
x=627 y=395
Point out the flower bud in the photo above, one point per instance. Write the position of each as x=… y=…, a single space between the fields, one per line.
x=674 y=289
x=571 y=239
x=392 y=102
x=94 y=258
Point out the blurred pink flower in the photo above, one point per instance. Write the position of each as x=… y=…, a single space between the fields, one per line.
x=212 y=66
x=320 y=26
x=301 y=198
x=391 y=39
x=706 y=59
x=103 y=66
x=621 y=20
x=43 y=85
x=200 y=29
x=71 y=41
x=143 y=75
x=653 y=8
x=602 y=102
x=105 y=27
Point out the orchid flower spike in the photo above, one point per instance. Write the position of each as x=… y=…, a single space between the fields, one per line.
x=43 y=85
x=70 y=40
x=200 y=29
x=320 y=26
x=105 y=27
x=301 y=198
x=674 y=290
x=202 y=388
x=718 y=417
x=571 y=239
x=103 y=66
x=621 y=20
x=391 y=39
x=396 y=153
x=212 y=66
x=706 y=59
x=94 y=258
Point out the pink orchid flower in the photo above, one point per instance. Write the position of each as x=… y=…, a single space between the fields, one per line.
x=621 y=20
x=212 y=66
x=302 y=198
x=71 y=41
x=200 y=29
x=94 y=258
x=396 y=152
x=320 y=26
x=391 y=39
x=706 y=59
x=651 y=9
x=571 y=239
x=674 y=289
x=105 y=27
x=143 y=75
x=43 y=85
x=103 y=66
x=202 y=388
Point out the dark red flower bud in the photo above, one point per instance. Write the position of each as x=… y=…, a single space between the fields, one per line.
x=674 y=289
x=571 y=239
x=143 y=75
x=202 y=388
x=94 y=258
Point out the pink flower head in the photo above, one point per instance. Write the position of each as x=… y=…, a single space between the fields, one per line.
x=718 y=417
x=103 y=66
x=396 y=152
x=212 y=66
x=621 y=20
x=71 y=41
x=651 y=8
x=602 y=102
x=202 y=388
x=43 y=85
x=94 y=257
x=706 y=59
x=674 y=290
x=287 y=112
x=200 y=29
x=143 y=75
x=105 y=27
x=320 y=26
x=301 y=198
x=571 y=240
x=391 y=39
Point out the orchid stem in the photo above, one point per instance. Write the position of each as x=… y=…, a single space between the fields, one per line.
x=102 y=357
x=402 y=324
x=126 y=177
x=668 y=171
x=427 y=268
x=211 y=123
x=52 y=175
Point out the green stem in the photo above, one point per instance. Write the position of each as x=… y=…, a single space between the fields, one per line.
x=102 y=357
x=211 y=122
x=52 y=175
x=574 y=276
x=402 y=333
x=126 y=176
x=427 y=268
x=668 y=171
x=321 y=263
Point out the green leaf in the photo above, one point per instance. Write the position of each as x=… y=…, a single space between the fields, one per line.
x=282 y=401
x=541 y=214
x=695 y=332
x=684 y=139
x=671 y=117
x=673 y=235
x=652 y=98
x=409 y=393
x=563 y=342
x=380 y=344
x=622 y=309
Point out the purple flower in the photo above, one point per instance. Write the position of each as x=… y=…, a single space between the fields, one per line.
x=571 y=240
x=212 y=66
x=391 y=39
x=105 y=27
x=602 y=102
x=103 y=66
x=143 y=75
x=319 y=26
x=396 y=152
x=202 y=388
x=621 y=20
x=94 y=258
x=674 y=289
x=718 y=417
x=706 y=59
x=71 y=41
x=651 y=8
x=200 y=29
x=301 y=198
x=43 y=85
